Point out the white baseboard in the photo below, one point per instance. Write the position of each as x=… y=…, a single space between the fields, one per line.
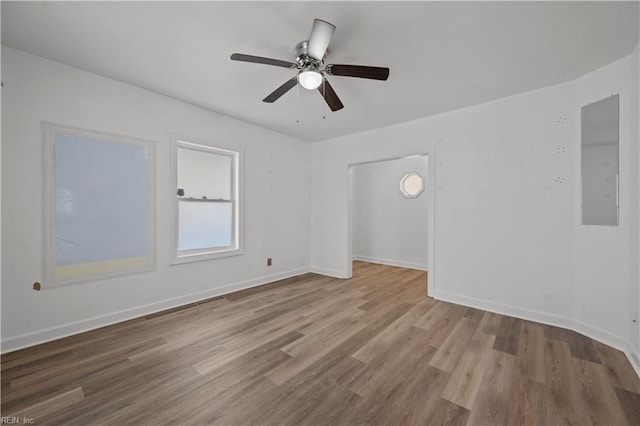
x=509 y=310
x=634 y=358
x=600 y=335
x=53 y=333
x=391 y=262
x=588 y=330
x=328 y=272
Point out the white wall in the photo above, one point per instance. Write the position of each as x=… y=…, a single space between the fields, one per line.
x=276 y=209
x=634 y=256
x=601 y=253
x=388 y=228
x=498 y=210
x=331 y=237
x=505 y=229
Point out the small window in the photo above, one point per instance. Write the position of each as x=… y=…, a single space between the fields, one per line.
x=207 y=202
x=411 y=185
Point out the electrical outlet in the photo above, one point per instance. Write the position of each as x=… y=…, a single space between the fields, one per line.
x=268 y=261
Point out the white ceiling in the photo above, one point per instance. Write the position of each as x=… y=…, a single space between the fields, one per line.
x=442 y=55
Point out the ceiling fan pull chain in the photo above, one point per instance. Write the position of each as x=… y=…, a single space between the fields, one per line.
x=324 y=104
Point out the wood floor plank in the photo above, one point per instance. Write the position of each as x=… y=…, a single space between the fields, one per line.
x=387 y=376
x=474 y=314
x=46 y=382
x=508 y=336
x=530 y=354
x=447 y=356
x=324 y=365
x=618 y=368
x=597 y=397
x=581 y=346
x=343 y=372
x=386 y=338
x=448 y=414
x=494 y=402
x=562 y=382
x=309 y=354
x=490 y=323
x=55 y=403
x=331 y=409
x=247 y=342
x=630 y=403
x=464 y=383
x=321 y=336
x=260 y=290
x=315 y=350
x=423 y=404
x=440 y=321
x=529 y=403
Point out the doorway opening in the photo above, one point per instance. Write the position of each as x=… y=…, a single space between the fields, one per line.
x=390 y=213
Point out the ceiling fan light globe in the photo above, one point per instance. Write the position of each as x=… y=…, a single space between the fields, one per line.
x=310 y=79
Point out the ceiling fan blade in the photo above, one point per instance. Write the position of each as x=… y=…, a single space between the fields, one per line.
x=261 y=60
x=330 y=96
x=321 y=34
x=275 y=95
x=361 y=71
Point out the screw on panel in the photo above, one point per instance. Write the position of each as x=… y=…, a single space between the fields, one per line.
x=561 y=149
x=559 y=179
x=561 y=120
x=439 y=141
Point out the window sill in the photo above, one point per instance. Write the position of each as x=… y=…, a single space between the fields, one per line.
x=201 y=257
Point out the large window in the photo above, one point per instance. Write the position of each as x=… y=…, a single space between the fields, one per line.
x=99 y=201
x=207 y=192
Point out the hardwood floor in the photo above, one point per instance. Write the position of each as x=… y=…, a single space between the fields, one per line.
x=316 y=350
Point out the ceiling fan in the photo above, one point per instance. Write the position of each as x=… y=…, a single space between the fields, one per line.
x=312 y=71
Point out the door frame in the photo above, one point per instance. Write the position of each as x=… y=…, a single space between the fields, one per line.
x=431 y=210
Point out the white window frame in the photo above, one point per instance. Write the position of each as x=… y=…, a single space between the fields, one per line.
x=237 y=191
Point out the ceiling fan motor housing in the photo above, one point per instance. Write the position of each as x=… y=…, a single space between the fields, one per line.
x=302 y=55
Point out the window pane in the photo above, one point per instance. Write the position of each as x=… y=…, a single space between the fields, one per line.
x=204 y=225
x=204 y=174
x=411 y=185
x=101 y=200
